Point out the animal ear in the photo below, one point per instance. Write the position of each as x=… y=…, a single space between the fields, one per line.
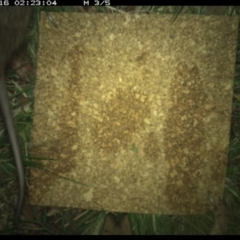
x=221 y=219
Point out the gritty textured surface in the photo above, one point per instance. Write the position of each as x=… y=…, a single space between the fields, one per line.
x=135 y=107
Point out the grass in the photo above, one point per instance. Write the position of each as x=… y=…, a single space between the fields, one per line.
x=75 y=221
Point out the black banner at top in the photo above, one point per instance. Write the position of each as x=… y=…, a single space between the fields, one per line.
x=83 y=3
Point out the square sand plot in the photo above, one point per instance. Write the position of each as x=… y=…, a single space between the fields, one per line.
x=135 y=109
